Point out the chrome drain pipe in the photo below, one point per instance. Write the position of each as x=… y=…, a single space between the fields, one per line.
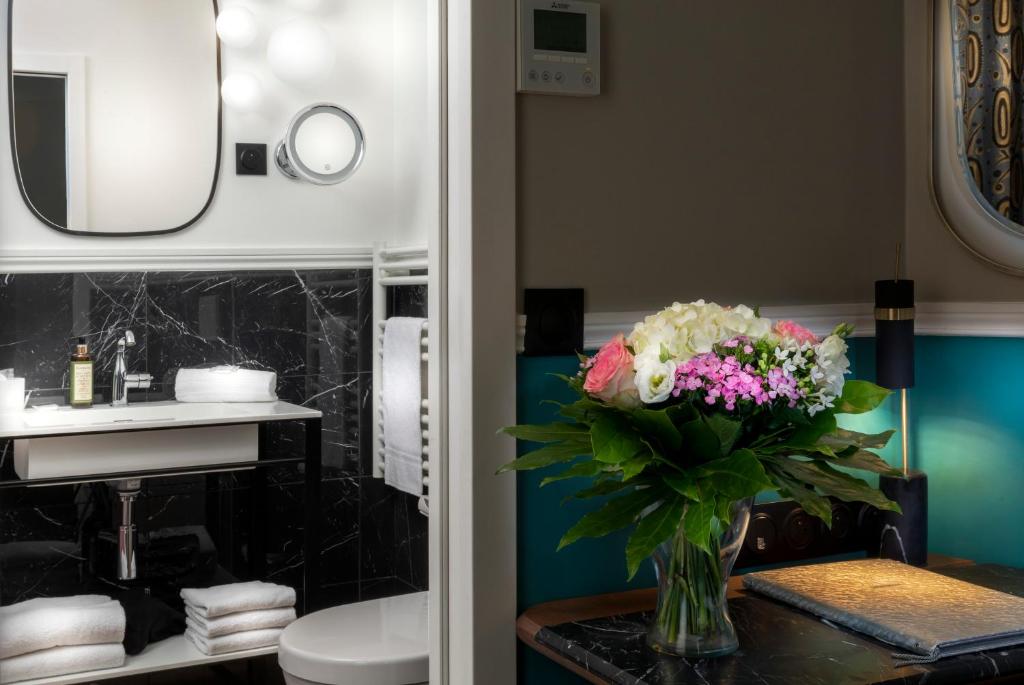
x=127 y=491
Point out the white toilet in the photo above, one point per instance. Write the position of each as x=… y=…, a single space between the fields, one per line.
x=380 y=642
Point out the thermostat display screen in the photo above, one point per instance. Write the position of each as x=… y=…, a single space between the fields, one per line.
x=561 y=31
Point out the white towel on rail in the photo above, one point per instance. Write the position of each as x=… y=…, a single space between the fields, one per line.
x=58 y=661
x=47 y=622
x=225 y=384
x=237 y=623
x=232 y=598
x=401 y=403
x=250 y=639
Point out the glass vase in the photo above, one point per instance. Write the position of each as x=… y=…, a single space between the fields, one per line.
x=692 y=618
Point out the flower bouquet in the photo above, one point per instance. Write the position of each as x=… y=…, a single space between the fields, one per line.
x=682 y=423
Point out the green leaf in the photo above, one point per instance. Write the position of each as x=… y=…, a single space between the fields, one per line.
x=835 y=483
x=723 y=510
x=808 y=436
x=605 y=487
x=810 y=501
x=635 y=466
x=658 y=425
x=860 y=397
x=582 y=410
x=726 y=429
x=555 y=453
x=551 y=432
x=700 y=442
x=866 y=461
x=737 y=476
x=652 y=530
x=618 y=513
x=614 y=439
x=680 y=414
x=584 y=469
x=845 y=438
x=684 y=484
x=697 y=521
x=788 y=415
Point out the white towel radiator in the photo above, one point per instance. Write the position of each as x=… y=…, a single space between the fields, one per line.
x=397 y=266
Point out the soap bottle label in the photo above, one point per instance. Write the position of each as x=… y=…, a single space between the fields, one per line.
x=81 y=384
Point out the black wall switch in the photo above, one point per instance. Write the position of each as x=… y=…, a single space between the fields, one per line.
x=250 y=159
x=554 y=321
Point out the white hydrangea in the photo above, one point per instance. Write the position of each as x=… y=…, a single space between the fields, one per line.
x=683 y=331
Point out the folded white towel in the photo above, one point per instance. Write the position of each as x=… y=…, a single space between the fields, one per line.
x=251 y=639
x=225 y=384
x=49 y=663
x=219 y=600
x=401 y=398
x=237 y=623
x=47 y=622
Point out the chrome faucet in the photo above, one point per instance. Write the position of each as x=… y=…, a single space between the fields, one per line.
x=124 y=381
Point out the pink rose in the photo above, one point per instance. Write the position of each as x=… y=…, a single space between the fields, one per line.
x=794 y=331
x=610 y=376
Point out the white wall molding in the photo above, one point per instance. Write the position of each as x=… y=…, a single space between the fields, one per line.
x=207 y=259
x=981 y=319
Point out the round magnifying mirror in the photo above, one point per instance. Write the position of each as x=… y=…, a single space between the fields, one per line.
x=323 y=144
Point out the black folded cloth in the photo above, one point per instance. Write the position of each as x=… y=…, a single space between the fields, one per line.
x=148 y=620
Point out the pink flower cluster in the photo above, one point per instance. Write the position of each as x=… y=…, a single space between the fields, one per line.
x=727 y=380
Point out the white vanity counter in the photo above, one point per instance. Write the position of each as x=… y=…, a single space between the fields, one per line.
x=69 y=443
x=103 y=418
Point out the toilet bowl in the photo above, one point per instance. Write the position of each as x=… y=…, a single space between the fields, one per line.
x=380 y=642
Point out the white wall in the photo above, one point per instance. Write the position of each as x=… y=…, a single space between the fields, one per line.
x=272 y=215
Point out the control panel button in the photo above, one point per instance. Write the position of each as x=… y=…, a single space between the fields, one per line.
x=588 y=79
x=567 y=60
x=532 y=75
x=540 y=58
x=545 y=76
x=559 y=76
x=580 y=60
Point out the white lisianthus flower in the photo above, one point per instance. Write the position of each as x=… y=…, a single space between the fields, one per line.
x=655 y=379
x=833 y=364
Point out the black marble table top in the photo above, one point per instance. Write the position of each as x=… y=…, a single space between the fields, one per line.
x=778 y=645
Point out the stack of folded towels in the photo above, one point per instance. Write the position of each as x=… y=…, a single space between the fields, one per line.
x=53 y=636
x=238 y=616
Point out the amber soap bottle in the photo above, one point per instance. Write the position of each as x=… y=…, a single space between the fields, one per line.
x=80 y=378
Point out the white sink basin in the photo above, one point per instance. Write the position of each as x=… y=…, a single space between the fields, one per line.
x=148 y=436
x=146 y=412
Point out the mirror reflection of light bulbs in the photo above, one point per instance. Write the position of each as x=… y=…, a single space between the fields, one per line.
x=241 y=92
x=301 y=53
x=236 y=26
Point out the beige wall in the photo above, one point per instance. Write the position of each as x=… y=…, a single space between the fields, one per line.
x=745 y=151
x=944 y=270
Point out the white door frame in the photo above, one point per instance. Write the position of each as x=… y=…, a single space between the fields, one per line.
x=477 y=631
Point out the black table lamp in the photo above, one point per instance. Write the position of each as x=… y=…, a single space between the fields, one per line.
x=904 y=537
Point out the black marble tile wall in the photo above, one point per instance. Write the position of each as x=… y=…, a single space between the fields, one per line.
x=313 y=329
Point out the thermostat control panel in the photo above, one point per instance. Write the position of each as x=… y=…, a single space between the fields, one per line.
x=559 y=47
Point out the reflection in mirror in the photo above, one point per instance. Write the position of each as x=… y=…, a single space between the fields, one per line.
x=989 y=63
x=115 y=112
x=324 y=144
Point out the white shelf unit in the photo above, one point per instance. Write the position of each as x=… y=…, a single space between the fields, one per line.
x=166 y=655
